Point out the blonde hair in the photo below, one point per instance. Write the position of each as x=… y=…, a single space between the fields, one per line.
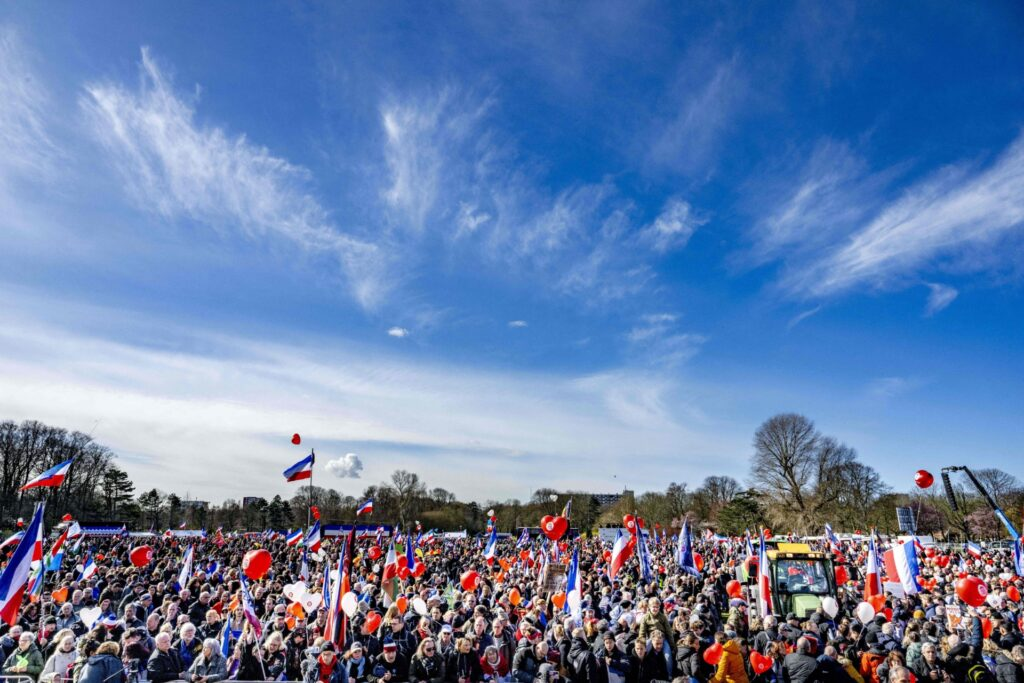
x=109 y=648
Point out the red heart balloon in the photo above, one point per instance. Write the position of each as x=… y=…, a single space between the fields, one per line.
x=760 y=663
x=713 y=654
x=554 y=527
x=296 y=439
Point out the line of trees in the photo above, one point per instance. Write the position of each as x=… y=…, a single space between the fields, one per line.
x=799 y=479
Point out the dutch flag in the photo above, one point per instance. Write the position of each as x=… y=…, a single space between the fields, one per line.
x=764 y=586
x=303 y=469
x=294 y=537
x=51 y=477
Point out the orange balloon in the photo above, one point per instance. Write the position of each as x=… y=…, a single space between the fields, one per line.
x=878 y=602
x=402 y=603
x=290 y=621
x=60 y=596
x=514 y=597
x=504 y=564
x=558 y=600
x=296 y=610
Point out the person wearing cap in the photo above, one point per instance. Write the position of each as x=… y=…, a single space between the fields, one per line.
x=355 y=664
x=389 y=666
x=326 y=668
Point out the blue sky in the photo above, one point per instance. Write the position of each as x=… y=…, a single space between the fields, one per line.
x=584 y=245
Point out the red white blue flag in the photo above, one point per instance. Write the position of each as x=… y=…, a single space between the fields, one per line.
x=294 y=537
x=14 y=578
x=51 y=477
x=313 y=537
x=365 y=509
x=303 y=469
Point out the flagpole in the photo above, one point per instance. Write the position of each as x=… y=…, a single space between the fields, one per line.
x=309 y=507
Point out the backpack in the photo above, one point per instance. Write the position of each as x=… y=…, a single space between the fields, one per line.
x=979 y=673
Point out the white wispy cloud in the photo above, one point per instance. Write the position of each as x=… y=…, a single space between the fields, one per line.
x=951 y=220
x=399 y=332
x=884 y=388
x=657 y=340
x=164 y=407
x=347 y=466
x=673 y=227
x=178 y=167
x=517 y=324
x=939 y=297
x=802 y=316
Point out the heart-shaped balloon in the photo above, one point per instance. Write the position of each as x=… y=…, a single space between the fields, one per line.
x=90 y=616
x=554 y=527
x=419 y=606
x=296 y=439
x=759 y=662
x=349 y=604
x=311 y=601
x=295 y=591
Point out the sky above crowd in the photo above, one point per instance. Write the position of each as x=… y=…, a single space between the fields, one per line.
x=511 y=245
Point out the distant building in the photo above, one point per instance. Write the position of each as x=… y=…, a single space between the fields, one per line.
x=604 y=499
x=196 y=504
x=250 y=500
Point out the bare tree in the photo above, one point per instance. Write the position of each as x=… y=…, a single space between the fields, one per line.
x=409 y=490
x=1000 y=484
x=783 y=466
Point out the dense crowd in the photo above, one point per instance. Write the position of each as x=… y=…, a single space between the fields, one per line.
x=128 y=623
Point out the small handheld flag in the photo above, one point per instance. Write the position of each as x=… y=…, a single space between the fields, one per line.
x=684 y=555
x=303 y=469
x=492 y=546
x=294 y=537
x=51 y=477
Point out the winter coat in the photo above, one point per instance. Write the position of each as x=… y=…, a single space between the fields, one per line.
x=215 y=668
x=59 y=663
x=31 y=659
x=799 y=668
x=582 y=662
x=164 y=666
x=103 y=669
x=731 y=668
x=1007 y=671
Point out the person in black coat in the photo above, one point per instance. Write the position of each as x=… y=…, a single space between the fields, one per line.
x=800 y=666
x=1010 y=665
x=583 y=664
x=389 y=666
x=165 y=663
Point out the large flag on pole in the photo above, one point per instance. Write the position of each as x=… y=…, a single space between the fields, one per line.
x=186 y=567
x=492 y=546
x=14 y=577
x=365 y=509
x=303 y=469
x=51 y=477
x=764 y=586
x=389 y=576
x=574 y=587
x=684 y=555
x=313 y=539
x=620 y=553
x=873 y=577
x=249 y=608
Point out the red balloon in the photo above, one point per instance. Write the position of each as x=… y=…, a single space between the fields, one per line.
x=372 y=623
x=141 y=555
x=930 y=551
x=296 y=439
x=923 y=479
x=66 y=518
x=607 y=555
x=420 y=568
x=256 y=563
x=698 y=560
x=734 y=589
x=404 y=573
x=942 y=561
x=403 y=561
x=759 y=662
x=1013 y=594
x=469 y=580
x=374 y=552
x=986 y=626
x=713 y=654
x=100 y=557
x=842 y=575
x=972 y=590
x=554 y=527
x=878 y=602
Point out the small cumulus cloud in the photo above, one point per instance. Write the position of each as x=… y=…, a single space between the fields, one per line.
x=347 y=466
x=939 y=297
x=398 y=332
x=517 y=323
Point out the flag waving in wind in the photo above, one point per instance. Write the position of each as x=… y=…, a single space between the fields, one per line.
x=492 y=547
x=303 y=469
x=313 y=537
x=621 y=552
x=365 y=509
x=186 y=567
x=764 y=586
x=873 y=577
x=14 y=577
x=684 y=555
x=51 y=477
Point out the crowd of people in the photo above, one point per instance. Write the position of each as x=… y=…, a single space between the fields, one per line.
x=128 y=623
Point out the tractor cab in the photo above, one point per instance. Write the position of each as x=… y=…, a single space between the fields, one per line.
x=799 y=577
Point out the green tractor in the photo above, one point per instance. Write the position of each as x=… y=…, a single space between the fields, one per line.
x=800 y=578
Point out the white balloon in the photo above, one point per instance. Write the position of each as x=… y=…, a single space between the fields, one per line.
x=1006 y=576
x=295 y=591
x=994 y=600
x=420 y=606
x=830 y=606
x=310 y=601
x=89 y=616
x=349 y=603
x=865 y=612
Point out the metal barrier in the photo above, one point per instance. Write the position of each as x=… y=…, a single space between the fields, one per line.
x=17 y=678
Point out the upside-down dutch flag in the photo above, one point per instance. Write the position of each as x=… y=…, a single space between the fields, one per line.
x=313 y=540
x=294 y=537
x=1018 y=556
x=51 y=477
x=974 y=550
x=12 y=539
x=904 y=556
x=365 y=509
x=88 y=568
x=621 y=552
x=492 y=547
x=14 y=577
x=303 y=469
x=764 y=585
x=249 y=608
x=873 y=576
